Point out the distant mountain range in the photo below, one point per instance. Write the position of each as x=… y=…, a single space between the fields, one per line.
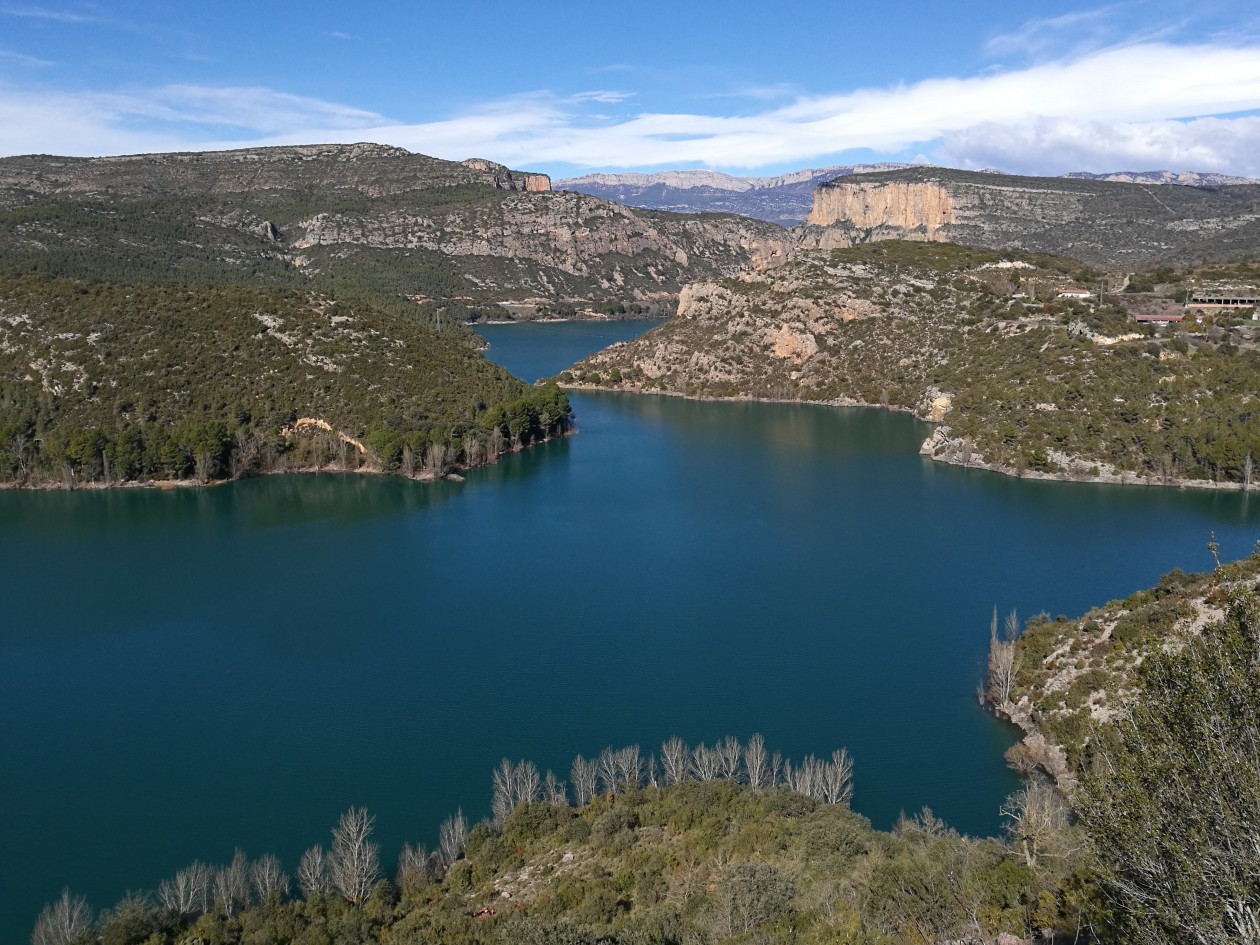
x=1185 y=178
x=787 y=199
x=784 y=200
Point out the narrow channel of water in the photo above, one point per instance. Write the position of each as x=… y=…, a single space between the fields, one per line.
x=182 y=673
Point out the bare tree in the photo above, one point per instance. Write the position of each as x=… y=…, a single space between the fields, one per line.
x=354 y=864
x=1003 y=659
x=188 y=892
x=528 y=783
x=629 y=766
x=838 y=778
x=452 y=837
x=436 y=460
x=553 y=791
x=502 y=797
x=583 y=776
x=413 y=866
x=652 y=772
x=496 y=445
x=201 y=467
x=675 y=758
x=756 y=763
x=704 y=762
x=1039 y=818
x=267 y=876
x=63 y=921
x=313 y=874
x=776 y=769
x=245 y=454
x=231 y=885
x=607 y=765
x=407 y=465
x=729 y=752
x=473 y=449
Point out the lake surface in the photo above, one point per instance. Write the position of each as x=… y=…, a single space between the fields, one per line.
x=186 y=672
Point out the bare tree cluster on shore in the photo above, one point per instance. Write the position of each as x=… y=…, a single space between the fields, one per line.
x=350 y=865
x=621 y=769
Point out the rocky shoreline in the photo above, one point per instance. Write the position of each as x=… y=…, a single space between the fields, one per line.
x=940 y=448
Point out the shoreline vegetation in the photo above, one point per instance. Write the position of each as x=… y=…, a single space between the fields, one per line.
x=1079 y=471
x=1019 y=379
x=729 y=842
x=103 y=384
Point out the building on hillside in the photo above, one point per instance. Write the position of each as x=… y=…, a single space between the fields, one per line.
x=1209 y=299
x=1075 y=292
x=1160 y=318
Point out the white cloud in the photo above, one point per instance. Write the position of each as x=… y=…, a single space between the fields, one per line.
x=1036 y=36
x=43 y=13
x=9 y=55
x=1134 y=92
x=1057 y=145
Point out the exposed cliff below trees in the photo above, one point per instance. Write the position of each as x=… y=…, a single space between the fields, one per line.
x=1101 y=222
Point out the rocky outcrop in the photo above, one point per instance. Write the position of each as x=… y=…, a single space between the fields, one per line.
x=367 y=219
x=852 y=211
x=1104 y=222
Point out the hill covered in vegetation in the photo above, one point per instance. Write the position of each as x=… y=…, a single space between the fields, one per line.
x=402 y=231
x=108 y=384
x=1020 y=380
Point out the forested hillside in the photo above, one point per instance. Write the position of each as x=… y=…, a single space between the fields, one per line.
x=108 y=384
x=977 y=340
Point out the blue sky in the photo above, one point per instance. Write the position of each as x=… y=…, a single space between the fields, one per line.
x=566 y=88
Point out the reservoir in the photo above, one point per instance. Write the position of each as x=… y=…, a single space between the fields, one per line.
x=186 y=672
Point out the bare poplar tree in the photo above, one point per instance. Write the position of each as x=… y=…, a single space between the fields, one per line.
x=354 y=864
x=756 y=763
x=63 y=921
x=607 y=764
x=629 y=766
x=583 y=776
x=313 y=872
x=267 y=876
x=527 y=783
x=496 y=445
x=413 y=866
x=776 y=769
x=452 y=837
x=652 y=772
x=473 y=449
x=675 y=759
x=407 y=464
x=554 y=791
x=704 y=762
x=188 y=892
x=231 y=885
x=1003 y=660
x=838 y=778
x=502 y=799
x=729 y=751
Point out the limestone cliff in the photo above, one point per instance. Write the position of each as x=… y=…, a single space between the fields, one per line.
x=1098 y=221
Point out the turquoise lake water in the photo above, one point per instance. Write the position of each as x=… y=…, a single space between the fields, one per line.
x=185 y=672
